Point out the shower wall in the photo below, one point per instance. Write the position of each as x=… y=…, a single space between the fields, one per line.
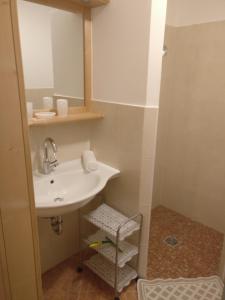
x=190 y=163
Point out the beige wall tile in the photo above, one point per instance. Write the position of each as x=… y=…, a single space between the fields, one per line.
x=118 y=141
x=143 y=263
x=71 y=140
x=125 y=139
x=190 y=161
x=145 y=210
x=150 y=132
x=56 y=248
x=146 y=181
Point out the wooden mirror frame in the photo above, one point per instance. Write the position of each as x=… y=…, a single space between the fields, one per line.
x=79 y=113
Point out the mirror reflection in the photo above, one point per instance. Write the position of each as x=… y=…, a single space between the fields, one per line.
x=52 y=54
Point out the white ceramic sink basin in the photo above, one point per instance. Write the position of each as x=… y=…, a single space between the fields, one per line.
x=69 y=187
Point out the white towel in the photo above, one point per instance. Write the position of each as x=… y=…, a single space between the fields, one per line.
x=89 y=161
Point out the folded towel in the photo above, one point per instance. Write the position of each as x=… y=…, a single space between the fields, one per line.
x=89 y=161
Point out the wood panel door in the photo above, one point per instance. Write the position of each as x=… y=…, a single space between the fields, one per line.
x=20 y=277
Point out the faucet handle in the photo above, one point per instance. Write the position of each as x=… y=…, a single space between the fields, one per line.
x=54 y=163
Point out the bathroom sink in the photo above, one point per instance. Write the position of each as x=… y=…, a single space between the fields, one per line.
x=69 y=187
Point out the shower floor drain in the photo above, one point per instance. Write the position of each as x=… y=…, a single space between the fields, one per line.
x=171 y=241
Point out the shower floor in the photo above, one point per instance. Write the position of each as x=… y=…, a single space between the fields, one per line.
x=196 y=253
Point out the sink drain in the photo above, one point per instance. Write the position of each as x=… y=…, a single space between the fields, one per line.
x=57 y=223
x=58 y=199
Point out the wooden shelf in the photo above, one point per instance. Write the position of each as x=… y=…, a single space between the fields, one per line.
x=72 y=5
x=92 y=3
x=76 y=117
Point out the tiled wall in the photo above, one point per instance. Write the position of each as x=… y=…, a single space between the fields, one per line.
x=125 y=139
x=71 y=140
x=117 y=140
x=189 y=12
x=190 y=168
x=146 y=179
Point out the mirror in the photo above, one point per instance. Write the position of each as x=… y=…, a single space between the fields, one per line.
x=52 y=45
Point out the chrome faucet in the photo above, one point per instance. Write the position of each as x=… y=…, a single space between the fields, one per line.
x=49 y=161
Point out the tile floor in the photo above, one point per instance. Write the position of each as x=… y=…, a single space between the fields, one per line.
x=196 y=254
x=64 y=283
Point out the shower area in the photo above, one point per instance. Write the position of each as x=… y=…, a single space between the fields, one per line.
x=188 y=212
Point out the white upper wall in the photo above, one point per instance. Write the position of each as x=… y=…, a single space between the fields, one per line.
x=36 y=44
x=127 y=51
x=120 y=51
x=188 y=12
x=157 y=31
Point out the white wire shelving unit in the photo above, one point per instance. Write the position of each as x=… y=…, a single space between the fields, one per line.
x=111 y=261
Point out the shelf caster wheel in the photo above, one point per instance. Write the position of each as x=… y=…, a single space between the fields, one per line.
x=79 y=269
